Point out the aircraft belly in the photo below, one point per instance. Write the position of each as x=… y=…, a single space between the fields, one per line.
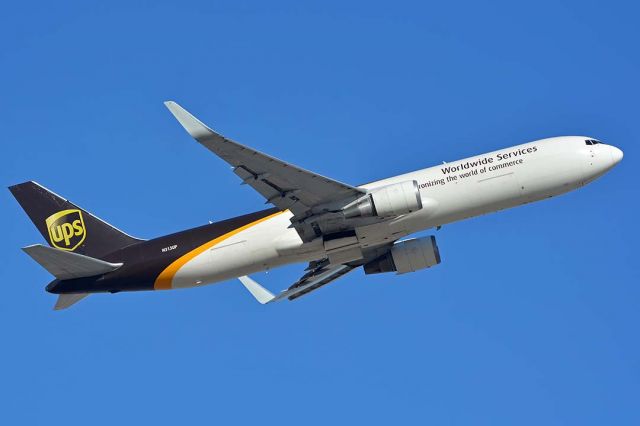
x=212 y=264
x=247 y=252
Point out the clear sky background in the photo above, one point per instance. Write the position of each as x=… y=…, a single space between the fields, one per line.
x=532 y=317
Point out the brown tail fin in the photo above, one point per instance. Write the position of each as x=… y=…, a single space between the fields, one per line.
x=66 y=226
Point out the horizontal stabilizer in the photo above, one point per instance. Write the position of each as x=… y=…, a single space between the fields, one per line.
x=66 y=300
x=65 y=265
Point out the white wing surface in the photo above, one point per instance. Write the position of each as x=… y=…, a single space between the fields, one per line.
x=282 y=184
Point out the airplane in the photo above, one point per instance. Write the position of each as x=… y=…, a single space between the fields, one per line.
x=335 y=227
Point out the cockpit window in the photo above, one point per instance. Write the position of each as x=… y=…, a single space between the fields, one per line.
x=592 y=142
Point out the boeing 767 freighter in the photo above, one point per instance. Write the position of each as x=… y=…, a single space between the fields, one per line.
x=334 y=226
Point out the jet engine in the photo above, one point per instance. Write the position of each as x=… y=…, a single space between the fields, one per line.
x=388 y=201
x=406 y=256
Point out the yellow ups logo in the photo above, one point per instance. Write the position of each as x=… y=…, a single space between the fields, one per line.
x=66 y=229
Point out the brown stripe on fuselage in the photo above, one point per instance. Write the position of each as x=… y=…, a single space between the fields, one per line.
x=163 y=282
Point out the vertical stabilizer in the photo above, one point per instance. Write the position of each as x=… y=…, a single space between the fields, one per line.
x=66 y=226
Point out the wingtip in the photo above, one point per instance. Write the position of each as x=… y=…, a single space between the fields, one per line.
x=261 y=294
x=191 y=124
x=175 y=108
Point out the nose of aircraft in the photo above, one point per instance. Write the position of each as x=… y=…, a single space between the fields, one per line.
x=616 y=154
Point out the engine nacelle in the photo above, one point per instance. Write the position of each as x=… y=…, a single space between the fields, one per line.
x=388 y=201
x=407 y=256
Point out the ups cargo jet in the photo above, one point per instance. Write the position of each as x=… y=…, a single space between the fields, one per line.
x=333 y=226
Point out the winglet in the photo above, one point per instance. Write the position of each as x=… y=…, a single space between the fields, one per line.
x=261 y=294
x=192 y=125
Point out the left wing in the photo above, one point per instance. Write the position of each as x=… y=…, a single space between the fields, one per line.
x=322 y=273
x=282 y=184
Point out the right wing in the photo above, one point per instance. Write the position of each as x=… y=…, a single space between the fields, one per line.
x=282 y=184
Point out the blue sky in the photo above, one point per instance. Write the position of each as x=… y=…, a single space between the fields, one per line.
x=532 y=316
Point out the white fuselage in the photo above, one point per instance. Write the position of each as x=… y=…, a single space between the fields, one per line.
x=450 y=192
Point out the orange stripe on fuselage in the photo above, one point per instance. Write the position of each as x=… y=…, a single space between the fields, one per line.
x=164 y=280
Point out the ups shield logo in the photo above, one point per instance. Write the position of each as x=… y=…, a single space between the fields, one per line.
x=66 y=229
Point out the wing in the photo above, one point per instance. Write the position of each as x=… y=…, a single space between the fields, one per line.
x=321 y=273
x=282 y=184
